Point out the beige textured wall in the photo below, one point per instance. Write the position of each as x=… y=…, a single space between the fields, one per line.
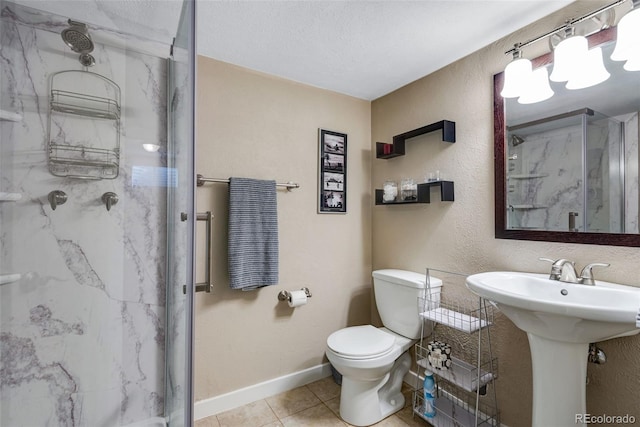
x=254 y=125
x=459 y=236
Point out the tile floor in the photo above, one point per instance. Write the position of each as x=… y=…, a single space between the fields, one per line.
x=314 y=405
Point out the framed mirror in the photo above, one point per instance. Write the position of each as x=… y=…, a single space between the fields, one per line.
x=566 y=169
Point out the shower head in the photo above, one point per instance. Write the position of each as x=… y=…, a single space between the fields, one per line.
x=516 y=140
x=77 y=37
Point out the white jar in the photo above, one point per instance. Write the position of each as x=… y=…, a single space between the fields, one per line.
x=390 y=191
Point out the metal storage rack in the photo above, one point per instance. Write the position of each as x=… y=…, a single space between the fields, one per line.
x=77 y=97
x=465 y=393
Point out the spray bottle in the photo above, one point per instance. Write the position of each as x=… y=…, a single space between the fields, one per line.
x=429 y=389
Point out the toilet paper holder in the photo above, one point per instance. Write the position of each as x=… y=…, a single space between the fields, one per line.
x=286 y=295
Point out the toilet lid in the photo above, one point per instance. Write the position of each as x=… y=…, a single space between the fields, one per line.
x=360 y=342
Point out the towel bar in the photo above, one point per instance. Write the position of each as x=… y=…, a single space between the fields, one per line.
x=200 y=181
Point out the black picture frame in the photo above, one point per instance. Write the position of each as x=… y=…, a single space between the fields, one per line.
x=332 y=172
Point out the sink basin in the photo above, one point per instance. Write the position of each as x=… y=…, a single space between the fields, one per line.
x=560 y=320
x=561 y=311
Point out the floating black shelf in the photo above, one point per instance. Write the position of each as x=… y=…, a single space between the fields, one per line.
x=424 y=194
x=388 y=151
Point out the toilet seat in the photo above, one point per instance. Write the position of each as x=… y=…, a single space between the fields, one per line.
x=361 y=342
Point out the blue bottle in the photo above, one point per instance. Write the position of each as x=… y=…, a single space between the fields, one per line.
x=429 y=389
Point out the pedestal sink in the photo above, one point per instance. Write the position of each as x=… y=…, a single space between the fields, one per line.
x=560 y=319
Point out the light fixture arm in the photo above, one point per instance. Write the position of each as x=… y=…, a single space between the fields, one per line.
x=568 y=25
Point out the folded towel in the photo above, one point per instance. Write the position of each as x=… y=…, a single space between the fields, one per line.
x=253 y=233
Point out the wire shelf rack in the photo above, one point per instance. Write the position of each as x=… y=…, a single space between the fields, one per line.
x=77 y=148
x=461 y=373
x=84 y=105
x=454 y=408
x=458 y=354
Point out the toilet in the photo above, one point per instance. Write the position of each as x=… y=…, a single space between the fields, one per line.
x=373 y=361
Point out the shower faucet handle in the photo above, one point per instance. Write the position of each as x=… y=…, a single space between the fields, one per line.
x=109 y=199
x=57 y=198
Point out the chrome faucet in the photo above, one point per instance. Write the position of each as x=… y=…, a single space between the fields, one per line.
x=564 y=270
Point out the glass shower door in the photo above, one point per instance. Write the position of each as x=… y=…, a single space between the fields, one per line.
x=181 y=223
x=95 y=329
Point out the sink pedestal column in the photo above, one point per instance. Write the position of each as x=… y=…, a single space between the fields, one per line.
x=559 y=382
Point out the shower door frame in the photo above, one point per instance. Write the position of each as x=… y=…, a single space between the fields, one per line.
x=181 y=213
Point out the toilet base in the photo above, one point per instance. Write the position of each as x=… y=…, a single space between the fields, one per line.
x=363 y=403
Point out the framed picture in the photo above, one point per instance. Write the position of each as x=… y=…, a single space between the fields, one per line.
x=332 y=176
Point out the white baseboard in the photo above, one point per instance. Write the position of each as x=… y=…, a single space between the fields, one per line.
x=411 y=378
x=224 y=402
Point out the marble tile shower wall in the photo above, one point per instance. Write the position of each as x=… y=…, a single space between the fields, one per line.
x=82 y=332
x=553 y=158
x=544 y=201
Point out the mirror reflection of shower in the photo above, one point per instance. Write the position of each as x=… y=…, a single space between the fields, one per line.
x=572 y=162
x=77 y=37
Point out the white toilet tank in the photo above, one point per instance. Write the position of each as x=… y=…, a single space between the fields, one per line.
x=397 y=293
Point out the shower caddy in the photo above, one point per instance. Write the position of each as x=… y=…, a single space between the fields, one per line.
x=94 y=102
x=465 y=393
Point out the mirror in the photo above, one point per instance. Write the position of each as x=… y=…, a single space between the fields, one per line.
x=566 y=169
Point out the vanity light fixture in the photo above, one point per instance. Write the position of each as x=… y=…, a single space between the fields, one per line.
x=633 y=64
x=574 y=63
x=593 y=71
x=569 y=56
x=516 y=75
x=538 y=88
x=628 y=43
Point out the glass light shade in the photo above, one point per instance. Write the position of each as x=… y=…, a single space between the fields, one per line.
x=538 y=88
x=628 y=43
x=568 y=57
x=633 y=64
x=516 y=75
x=592 y=72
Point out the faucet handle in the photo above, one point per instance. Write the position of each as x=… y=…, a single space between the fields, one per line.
x=587 y=275
x=556 y=269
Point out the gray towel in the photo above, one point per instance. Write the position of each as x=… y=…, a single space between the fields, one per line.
x=253 y=233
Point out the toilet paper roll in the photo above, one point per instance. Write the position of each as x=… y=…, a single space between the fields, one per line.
x=297 y=299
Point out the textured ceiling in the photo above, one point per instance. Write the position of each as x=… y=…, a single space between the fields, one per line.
x=361 y=48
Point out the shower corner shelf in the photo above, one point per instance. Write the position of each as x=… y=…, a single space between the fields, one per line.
x=528 y=176
x=5 y=279
x=462 y=391
x=75 y=157
x=9 y=116
x=9 y=197
x=526 y=207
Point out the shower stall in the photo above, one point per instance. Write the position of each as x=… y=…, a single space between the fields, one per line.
x=96 y=214
x=567 y=173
